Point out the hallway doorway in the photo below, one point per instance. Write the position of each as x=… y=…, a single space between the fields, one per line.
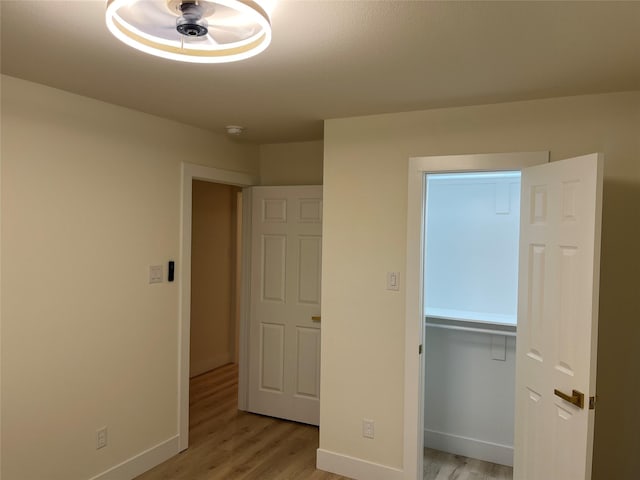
x=215 y=275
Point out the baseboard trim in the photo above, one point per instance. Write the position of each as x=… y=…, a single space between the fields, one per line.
x=469 y=447
x=355 y=468
x=142 y=462
x=210 y=363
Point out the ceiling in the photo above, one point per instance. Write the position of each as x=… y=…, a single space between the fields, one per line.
x=332 y=59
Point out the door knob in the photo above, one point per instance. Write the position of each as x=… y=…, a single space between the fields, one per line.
x=315 y=318
x=576 y=398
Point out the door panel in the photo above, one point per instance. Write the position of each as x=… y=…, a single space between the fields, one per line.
x=532 y=425
x=286 y=258
x=537 y=325
x=273 y=255
x=272 y=356
x=308 y=361
x=557 y=318
x=309 y=270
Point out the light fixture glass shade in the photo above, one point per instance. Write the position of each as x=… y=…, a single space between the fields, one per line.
x=218 y=31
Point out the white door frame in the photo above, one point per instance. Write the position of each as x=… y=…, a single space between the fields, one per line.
x=192 y=172
x=414 y=317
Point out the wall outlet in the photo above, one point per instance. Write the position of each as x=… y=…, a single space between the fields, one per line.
x=101 y=438
x=367 y=428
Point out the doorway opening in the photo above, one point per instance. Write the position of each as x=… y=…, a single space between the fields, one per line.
x=471 y=233
x=215 y=275
x=190 y=175
x=557 y=310
x=232 y=425
x=414 y=421
x=216 y=240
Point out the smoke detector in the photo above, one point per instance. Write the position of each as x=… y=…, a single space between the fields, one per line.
x=235 y=130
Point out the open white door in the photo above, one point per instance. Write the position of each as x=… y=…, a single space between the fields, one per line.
x=284 y=325
x=561 y=210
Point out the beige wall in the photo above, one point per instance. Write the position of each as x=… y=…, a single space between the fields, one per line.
x=298 y=163
x=90 y=199
x=364 y=236
x=213 y=272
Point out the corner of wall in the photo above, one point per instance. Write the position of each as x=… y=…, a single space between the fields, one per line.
x=295 y=163
x=142 y=462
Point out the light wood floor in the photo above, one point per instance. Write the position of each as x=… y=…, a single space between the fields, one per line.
x=226 y=444
x=446 y=466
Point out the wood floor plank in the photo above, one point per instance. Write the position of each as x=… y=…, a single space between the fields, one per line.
x=447 y=466
x=227 y=444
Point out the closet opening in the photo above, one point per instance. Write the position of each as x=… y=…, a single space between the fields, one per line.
x=471 y=233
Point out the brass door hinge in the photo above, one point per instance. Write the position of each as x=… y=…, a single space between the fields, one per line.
x=592 y=403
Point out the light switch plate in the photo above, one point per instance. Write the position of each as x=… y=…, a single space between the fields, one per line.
x=101 y=438
x=155 y=274
x=393 y=281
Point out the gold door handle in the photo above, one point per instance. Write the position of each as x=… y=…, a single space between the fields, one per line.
x=315 y=318
x=576 y=398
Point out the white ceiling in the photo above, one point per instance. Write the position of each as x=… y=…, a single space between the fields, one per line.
x=332 y=59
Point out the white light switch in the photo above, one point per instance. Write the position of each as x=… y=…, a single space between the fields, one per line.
x=393 y=281
x=101 y=438
x=155 y=274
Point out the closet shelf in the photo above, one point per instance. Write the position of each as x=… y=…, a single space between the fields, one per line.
x=470 y=316
x=476 y=326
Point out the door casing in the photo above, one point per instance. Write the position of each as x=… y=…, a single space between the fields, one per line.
x=192 y=172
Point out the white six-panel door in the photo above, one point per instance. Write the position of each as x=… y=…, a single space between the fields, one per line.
x=284 y=326
x=557 y=318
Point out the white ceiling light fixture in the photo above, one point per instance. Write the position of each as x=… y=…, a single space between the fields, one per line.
x=199 y=31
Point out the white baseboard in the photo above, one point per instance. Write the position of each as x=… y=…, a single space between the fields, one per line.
x=469 y=447
x=355 y=468
x=203 y=365
x=142 y=462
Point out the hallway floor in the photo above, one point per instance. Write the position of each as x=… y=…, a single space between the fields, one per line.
x=227 y=444
x=447 y=466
